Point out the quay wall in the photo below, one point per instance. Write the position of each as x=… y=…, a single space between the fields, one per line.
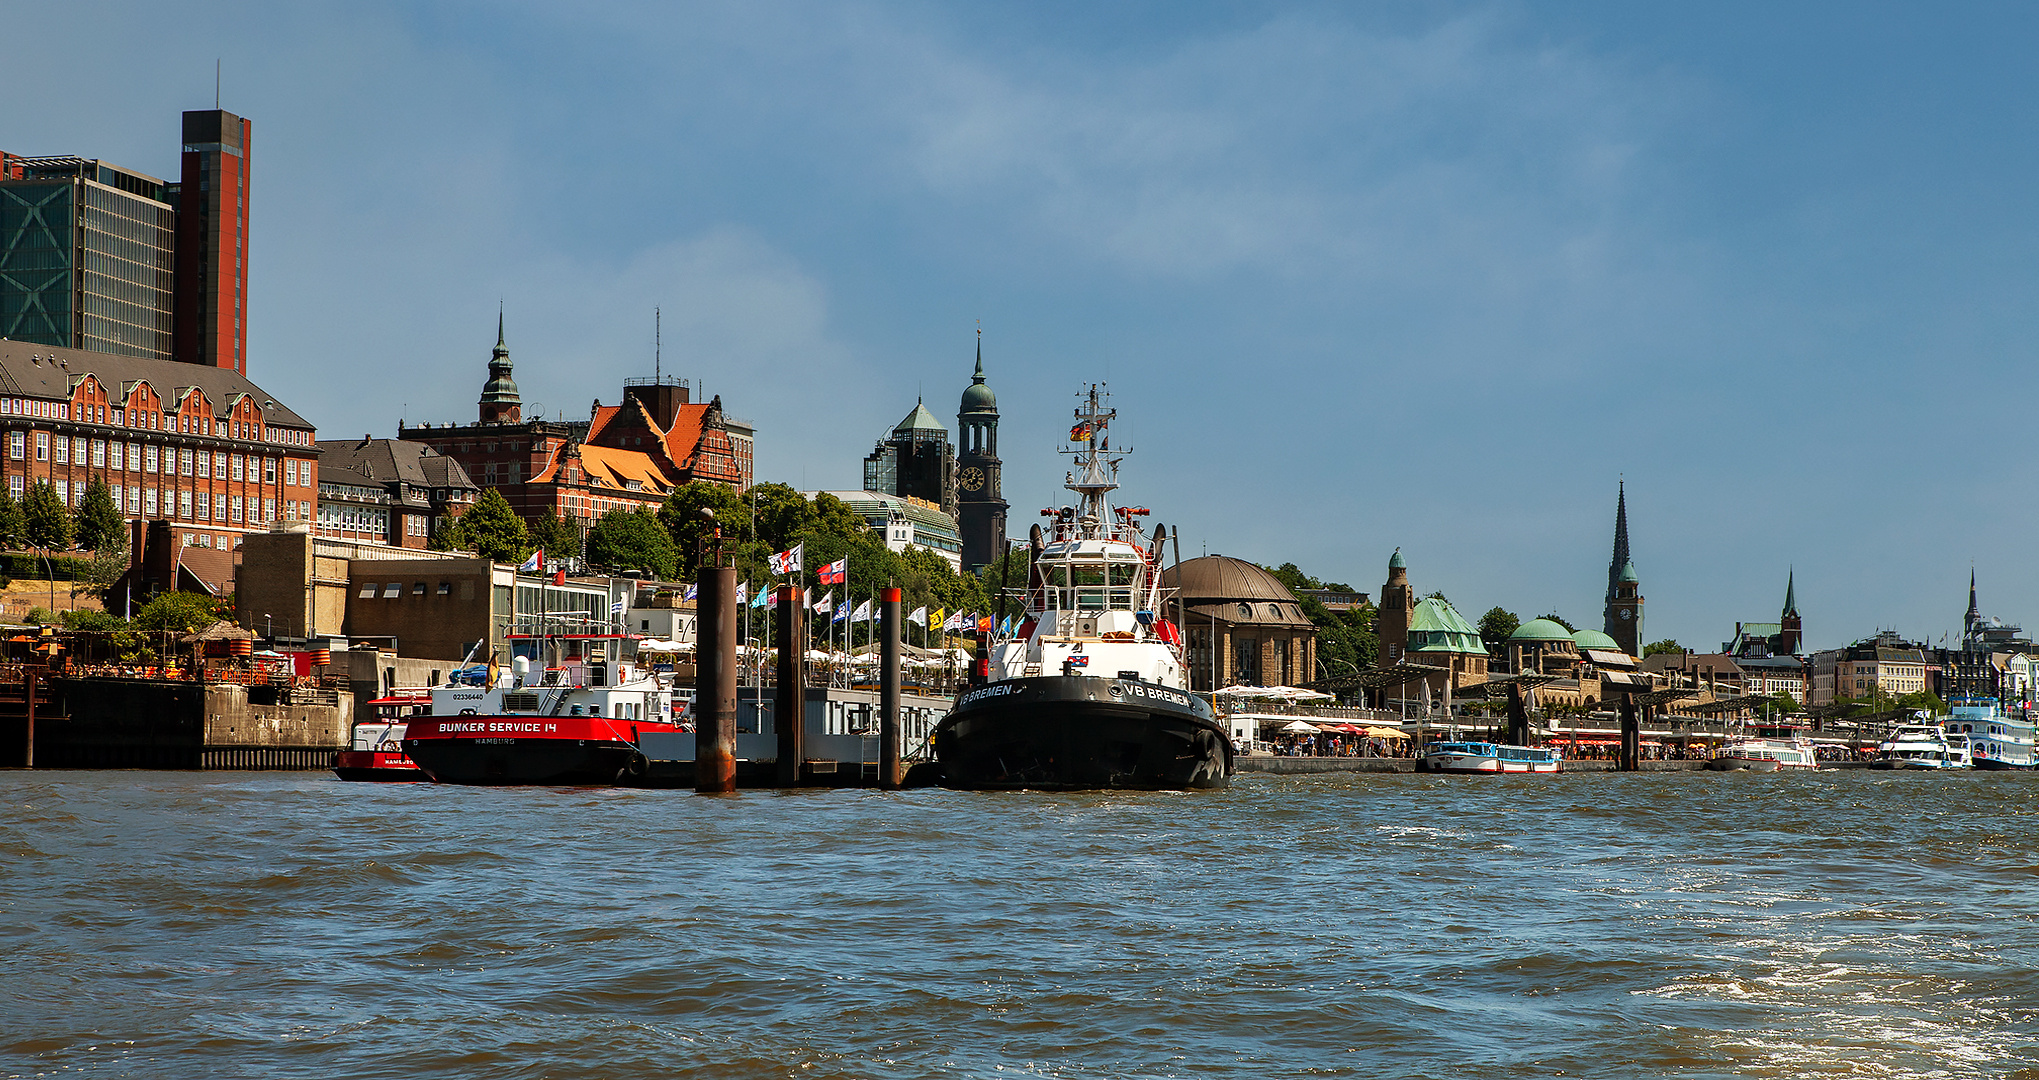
x=110 y=723
x=1302 y=766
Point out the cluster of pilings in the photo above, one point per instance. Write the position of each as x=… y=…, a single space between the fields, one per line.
x=716 y=607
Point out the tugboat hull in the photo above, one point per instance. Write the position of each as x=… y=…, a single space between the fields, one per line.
x=1078 y=733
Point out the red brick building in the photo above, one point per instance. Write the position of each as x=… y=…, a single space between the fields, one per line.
x=624 y=456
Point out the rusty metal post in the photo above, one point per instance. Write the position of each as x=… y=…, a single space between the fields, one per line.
x=1518 y=716
x=715 y=678
x=888 y=691
x=1630 y=757
x=789 y=698
x=28 y=683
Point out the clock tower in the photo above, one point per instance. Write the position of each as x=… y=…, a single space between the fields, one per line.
x=980 y=508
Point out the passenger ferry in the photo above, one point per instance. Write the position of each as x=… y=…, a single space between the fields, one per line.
x=376 y=751
x=1996 y=740
x=1771 y=749
x=1923 y=746
x=1487 y=757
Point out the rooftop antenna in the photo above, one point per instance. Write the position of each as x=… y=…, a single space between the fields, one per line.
x=657 y=344
x=215 y=81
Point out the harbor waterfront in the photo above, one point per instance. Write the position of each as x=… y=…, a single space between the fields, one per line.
x=1691 y=924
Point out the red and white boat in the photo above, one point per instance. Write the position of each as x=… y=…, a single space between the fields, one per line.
x=376 y=752
x=575 y=723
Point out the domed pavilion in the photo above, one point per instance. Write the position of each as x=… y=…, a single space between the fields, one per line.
x=1241 y=625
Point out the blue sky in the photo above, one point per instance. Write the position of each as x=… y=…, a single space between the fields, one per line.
x=1433 y=276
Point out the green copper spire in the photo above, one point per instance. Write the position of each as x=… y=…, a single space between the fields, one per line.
x=1791 y=594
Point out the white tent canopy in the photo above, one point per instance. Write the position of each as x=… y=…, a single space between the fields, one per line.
x=1281 y=693
x=1299 y=727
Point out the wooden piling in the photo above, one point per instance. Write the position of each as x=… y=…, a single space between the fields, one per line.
x=888 y=691
x=28 y=747
x=789 y=698
x=715 y=679
x=1518 y=716
x=1629 y=759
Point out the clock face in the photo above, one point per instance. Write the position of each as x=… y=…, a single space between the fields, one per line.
x=1627 y=614
x=972 y=478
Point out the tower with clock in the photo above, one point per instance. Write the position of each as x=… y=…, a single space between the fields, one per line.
x=981 y=510
x=1624 y=611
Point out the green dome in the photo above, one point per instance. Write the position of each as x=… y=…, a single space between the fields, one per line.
x=978 y=397
x=1594 y=639
x=1536 y=630
x=1395 y=561
x=1628 y=571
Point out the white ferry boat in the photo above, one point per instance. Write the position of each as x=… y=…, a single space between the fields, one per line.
x=1996 y=740
x=1923 y=746
x=1487 y=757
x=1770 y=749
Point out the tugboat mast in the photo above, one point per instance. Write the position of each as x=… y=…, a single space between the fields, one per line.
x=1095 y=474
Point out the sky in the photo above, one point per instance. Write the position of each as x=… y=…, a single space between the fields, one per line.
x=1435 y=276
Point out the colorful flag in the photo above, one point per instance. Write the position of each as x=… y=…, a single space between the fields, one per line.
x=693 y=592
x=531 y=565
x=787 y=562
x=617 y=607
x=842 y=614
x=807 y=598
x=863 y=612
x=918 y=616
x=935 y=620
x=836 y=573
x=825 y=605
x=954 y=622
x=1080 y=433
x=984 y=625
x=1005 y=626
x=764 y=595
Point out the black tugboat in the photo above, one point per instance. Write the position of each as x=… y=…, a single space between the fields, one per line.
x=1090 y=691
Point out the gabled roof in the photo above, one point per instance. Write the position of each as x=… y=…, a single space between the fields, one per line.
x=919 y=420
x=386 y=461
x=609 y=467
x=50 y=378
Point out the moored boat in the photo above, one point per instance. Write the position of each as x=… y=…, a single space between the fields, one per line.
x=1091 y=691
x=575 y=723
x=375 y=752
x=1923 y=746
x=1488 y=757
x=1996 y=739
x=1771 y=750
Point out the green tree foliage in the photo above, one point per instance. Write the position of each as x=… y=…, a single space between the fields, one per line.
x=1495 y=627
x=555 y=535
x=103 y=569
x=100 y=524
x=12 y=525
x=783 y=516
x=1665 y=646
x=681 y=515
x=1561 y=621
x=1346 y=642
x=491 y=530
x=180 y=613
x=833 y=517
x=632 y=540
x=46 y=521
x=1924 y=701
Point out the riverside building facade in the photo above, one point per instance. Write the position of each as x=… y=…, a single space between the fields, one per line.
x=198 y=446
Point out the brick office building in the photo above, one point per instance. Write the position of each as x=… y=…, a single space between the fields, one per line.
x=625 y=456
x=198 y=446
x=388 y=491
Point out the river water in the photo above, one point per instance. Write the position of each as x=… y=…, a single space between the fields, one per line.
x=288 y=925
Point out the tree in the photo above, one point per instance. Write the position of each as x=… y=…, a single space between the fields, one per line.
x=12 y=524
x=833 y=517
x=179 y=613
x=1495 y=627
x=491 y=530
x=782 y=514
x=100 y=523
x=1665 y=646
x=555 y=535
x=103 y=569
x=632 y=540
x=46 y=521
x=681 y=515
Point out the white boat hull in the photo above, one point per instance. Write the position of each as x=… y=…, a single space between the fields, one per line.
x=1475 y=763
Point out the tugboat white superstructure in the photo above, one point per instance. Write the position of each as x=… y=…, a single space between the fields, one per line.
x=1090 y=692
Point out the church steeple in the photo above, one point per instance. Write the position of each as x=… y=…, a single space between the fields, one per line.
x=1791 y=594
x=981 y=517
x=1790 y=629
x=1971 y=624
x=500 y=402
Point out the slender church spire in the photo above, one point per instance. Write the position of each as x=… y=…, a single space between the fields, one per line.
x=1791 y=594
x=1971 y=624
x=1620 y=562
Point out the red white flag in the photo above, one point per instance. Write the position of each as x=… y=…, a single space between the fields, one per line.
x=836 y=573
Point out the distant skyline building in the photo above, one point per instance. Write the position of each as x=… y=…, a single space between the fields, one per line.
x=981 y=506
x=916 y=461
x=109 y=259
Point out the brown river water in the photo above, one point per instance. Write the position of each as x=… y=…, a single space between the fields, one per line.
x=1842 y=924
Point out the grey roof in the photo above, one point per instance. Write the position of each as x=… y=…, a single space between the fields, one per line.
x=384 y=461
x=53 y=376
x=920 y=420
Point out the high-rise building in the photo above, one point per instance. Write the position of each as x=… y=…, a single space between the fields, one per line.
x=980 y=508
x=916 y=461
x=212 y=242
x=86 y=256
x=106 y=259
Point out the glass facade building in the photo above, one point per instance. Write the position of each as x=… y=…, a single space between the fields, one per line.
x=87 y=257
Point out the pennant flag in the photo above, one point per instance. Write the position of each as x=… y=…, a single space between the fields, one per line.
x=825 y=605
x=531 y=565
x=742 y=589
x=842 y=614
x=836 y=573
x=764 y=595
x=863 y=612
x=934 y=621
x=1080 y=433
x=787 y=562
x=918 y=616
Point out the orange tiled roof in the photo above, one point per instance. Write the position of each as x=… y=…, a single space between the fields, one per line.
x=609 y=467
